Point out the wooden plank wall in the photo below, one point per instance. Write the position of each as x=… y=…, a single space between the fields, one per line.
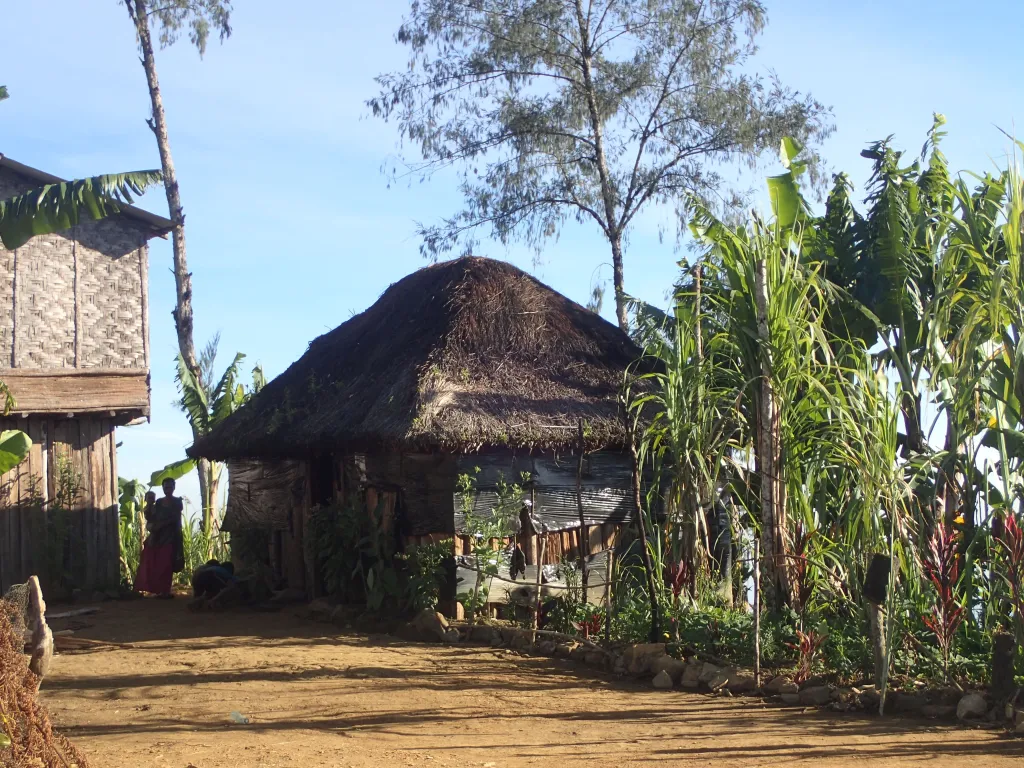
x=88 y=557
x=560 y=544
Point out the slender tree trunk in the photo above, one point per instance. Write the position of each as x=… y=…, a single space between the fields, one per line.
x=138 y=11
x=773 y=510
x=621 y=307
x=612 y=228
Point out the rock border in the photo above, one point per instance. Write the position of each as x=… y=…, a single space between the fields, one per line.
x=651 y=662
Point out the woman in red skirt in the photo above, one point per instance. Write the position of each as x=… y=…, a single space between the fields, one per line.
x=163 y=553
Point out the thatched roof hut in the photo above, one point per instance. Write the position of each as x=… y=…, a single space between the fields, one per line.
x=463 y=354
x=468 y=367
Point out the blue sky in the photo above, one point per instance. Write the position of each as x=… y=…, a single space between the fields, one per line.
x=291 y=227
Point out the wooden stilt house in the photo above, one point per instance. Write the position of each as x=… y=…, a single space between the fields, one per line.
x=74 y=351
x=469 y=366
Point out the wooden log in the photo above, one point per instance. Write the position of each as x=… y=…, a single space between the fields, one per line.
x=42 y=638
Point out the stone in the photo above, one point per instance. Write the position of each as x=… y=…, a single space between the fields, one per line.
x=669 y=664
x=662 y=680
x=564 y=650
x=789 y=687
x=774 y=686
x=481 y=633
x=741 y=682
x=869 y=699
x=99 y=597
x=429 y=626
x=708 y=672
x=938 y=711
x=691 y=676
x=720 y=680
x=790 y=699
x=452 y=635
x=817 y=696
x=290 y=595
x=907 y=703
x=815 y=681
x=545 y=648
x=971 y=707
x=113 y=594
x=638 y=657
x=319 y=610
x=844 y=696
x=595 y=659
x=521 y=641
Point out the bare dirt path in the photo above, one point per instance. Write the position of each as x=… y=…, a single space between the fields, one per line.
x=324 y=700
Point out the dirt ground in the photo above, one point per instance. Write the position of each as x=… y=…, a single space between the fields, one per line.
x=318 y=699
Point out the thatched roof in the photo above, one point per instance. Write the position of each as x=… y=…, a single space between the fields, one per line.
x=462 y=355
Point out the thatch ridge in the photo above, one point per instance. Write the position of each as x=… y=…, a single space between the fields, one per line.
x=460 y=355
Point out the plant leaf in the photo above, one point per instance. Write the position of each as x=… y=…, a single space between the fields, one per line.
x=174 y=471
x=14 y=447
x=54 y=207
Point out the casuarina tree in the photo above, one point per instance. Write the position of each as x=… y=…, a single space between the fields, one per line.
x=169 y=19
x=590 y=109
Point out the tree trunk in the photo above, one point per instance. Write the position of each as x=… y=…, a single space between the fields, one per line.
x=612 y=228
x=773 y=510
x=139 y=13
x=621 y=308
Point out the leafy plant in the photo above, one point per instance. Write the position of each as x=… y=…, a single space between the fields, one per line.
x=427 y=573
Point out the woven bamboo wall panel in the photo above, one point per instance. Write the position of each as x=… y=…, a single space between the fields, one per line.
x=74 y=299
x=6 y=307
x=44 y=304
x=110 y=301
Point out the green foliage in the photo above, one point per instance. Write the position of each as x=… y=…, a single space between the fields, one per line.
x=552 y=111
x=199 y=546
x=58 y=206
x=14 y=447
x=130 y=526
x=196 y=18
x=486 y=527
x=426 y=573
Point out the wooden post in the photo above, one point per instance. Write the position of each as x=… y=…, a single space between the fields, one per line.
x=610 y=569
x=757 y=612
x=878 y=645
x=540 y=568
x=584 y=538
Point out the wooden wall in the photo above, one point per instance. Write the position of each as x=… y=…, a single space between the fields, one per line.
x=74 y=550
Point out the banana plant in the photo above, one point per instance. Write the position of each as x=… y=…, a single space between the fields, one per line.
x=53 y=207
x=205 y=407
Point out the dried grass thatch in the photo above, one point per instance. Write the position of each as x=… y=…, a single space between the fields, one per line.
x=29 y=738
x=459 y=355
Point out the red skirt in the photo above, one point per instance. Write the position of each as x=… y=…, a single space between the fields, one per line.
x=156 y=569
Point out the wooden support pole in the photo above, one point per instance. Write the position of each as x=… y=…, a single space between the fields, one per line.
x=757 y=612
x=540 y=568
x=609 y=570
x=584 y=538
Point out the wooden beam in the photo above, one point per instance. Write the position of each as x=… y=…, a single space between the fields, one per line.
x=77 y=390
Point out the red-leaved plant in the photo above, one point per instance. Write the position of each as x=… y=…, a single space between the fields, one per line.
x=679 y=576
x=1011 y=540
x=803 y=586
x=590 y=625
x=942 y=567
x=807 y=645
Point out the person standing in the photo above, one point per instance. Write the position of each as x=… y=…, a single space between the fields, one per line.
x=163 y=553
